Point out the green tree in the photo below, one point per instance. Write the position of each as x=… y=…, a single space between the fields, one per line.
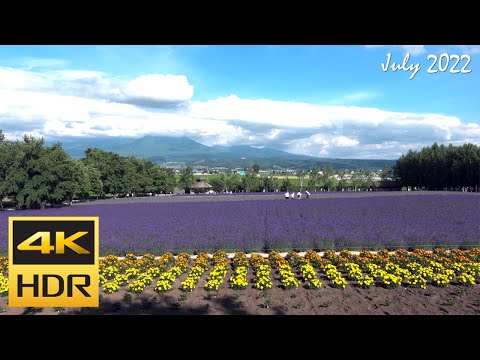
x=11 y=155
x=331 y=184
x=300 y=174
x=218 y=183
x=326 y=173
x=84 y=186
x=268 y=183
x=90 y=183
x=67 y=175
x=186 y=178
x=277 y=183
x=136 y=179
x=44 y=174
x=343 y=184
x=94 y=181
x=313 y=179
x=251 y=182
x=256 y=168
x=12 y=175
x=112 y=168
x=233 y=182
x=163 y=180
x=357 y=180
x=31 y=175
x=286 y=186
x=439 y=167
x=369 y=183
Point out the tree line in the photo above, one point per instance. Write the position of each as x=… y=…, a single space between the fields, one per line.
x=33 y=174
x=438 y=167
x=315 y=180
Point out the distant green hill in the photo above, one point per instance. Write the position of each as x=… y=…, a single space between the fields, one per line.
x=163 y=149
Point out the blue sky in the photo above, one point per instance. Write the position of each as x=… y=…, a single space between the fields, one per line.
x=329 y=101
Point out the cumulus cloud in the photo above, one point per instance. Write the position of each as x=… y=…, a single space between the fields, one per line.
x=157 y=87
x=90 y=103
x=150 y=90
x=332 y=130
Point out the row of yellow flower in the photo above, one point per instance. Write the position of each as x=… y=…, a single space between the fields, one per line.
x=143 y=270
x=262 y=270
x=335 y=277
x=3 y=285
x=166 y=280
x=281 y=265
x=217 y=275
x=386 y=269
x=306 y=269
x=200 y=265
x=238 y=280
x=413 y=269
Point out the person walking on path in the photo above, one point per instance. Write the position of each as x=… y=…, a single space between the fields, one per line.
x=287 y=195
x=292 y=195
x=308 y=194
x=299 y=195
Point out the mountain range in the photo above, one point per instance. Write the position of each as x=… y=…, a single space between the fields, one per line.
x=163 y=149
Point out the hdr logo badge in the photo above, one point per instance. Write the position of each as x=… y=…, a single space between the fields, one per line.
x=53 y=261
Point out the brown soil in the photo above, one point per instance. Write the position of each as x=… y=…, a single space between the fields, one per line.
x=452 y=300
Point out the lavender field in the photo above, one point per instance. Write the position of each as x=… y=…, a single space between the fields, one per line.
x=366 y=222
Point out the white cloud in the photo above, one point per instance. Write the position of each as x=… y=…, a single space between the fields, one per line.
x=304 y=115
x=273 y=134
x=20 y=79
x=153 y=90
x=343 y=141
x=159 y=87
x=79 y=103
x=281 y=113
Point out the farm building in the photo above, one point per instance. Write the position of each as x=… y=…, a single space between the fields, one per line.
x=200 y=186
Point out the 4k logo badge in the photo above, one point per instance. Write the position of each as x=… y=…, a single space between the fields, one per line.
x=53 y=261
